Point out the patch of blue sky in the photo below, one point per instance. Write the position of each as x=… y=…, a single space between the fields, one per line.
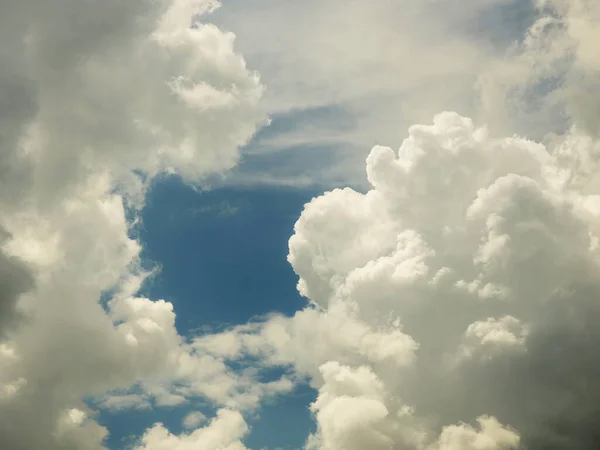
x=126 y=426
x=283 y=424
x=222 y=255
x=222 y=252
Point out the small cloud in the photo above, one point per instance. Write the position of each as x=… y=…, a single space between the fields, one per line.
x=193 y=420
x=222 y=209
x=124 y=402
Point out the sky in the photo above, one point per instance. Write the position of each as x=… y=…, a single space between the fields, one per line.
x=299 y=225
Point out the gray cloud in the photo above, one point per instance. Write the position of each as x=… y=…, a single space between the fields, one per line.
x=16 y=278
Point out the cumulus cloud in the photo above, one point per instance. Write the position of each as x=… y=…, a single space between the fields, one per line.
x=122 y=87
x=224 y=432
x=493 y=275
x=97 y=98
x=453 y=305
x=193 y=420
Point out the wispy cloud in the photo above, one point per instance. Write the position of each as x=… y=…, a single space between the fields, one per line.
x=381 y=66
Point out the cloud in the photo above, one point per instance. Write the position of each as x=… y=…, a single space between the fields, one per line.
x=125 y=402
x=97 y=99
x=453 y=305
x=349 y=74
x=492 y=274
x=193 y=420
x=520 y=66
x=547 y=81
x=16 y=278
x=224 y=432
x=121 y=87
x=493 y=436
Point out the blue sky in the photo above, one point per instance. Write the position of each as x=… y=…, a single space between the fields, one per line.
x=208 y=243
x=222 y=256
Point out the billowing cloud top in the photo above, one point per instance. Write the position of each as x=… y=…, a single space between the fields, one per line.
x=454 y=305
x=479 y=260
x=120 y=87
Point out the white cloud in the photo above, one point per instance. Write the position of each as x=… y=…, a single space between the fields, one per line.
x=460 y=289
x=98 y=98
x=548 y=81
x=493 y=436
x=125 y=402
x=224 y=432
x=193 y=420
x=343 y=75
x=472 y=215
x=114 y=87
x=504 y=331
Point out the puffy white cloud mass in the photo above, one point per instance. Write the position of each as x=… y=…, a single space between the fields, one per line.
x=222 y=433
x=455 y=304
x=96 y=98
x=118 y=86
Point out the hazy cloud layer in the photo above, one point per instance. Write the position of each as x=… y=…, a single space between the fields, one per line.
x=524 y=66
